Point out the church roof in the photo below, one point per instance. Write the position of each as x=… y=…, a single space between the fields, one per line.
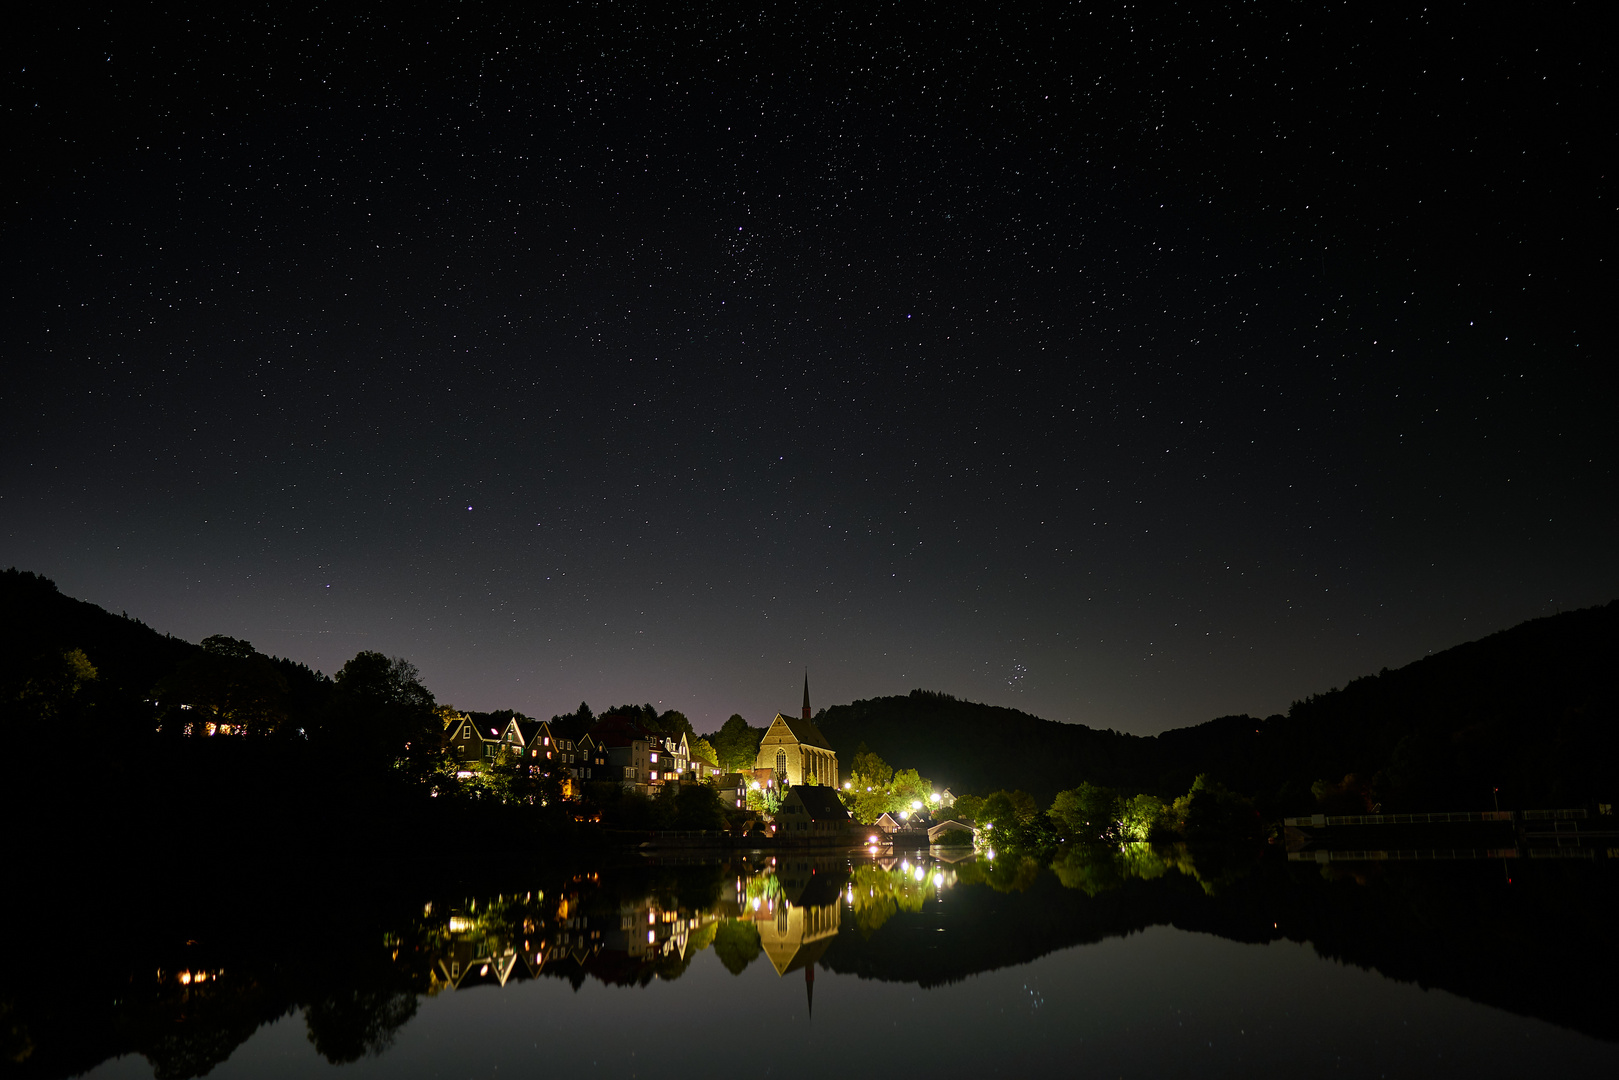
x=805 y=732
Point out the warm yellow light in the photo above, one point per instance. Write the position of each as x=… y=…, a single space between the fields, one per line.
x=938 y=879
x=903 y=814
x=934 y=797
x=920 y=873
x=916 y=804
x=754 y=785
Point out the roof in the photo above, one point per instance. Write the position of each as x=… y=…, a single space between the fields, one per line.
x=822 y=803
x=532 y=729
x=804 y=731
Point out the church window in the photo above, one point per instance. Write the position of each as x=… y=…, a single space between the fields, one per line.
x=781 y=761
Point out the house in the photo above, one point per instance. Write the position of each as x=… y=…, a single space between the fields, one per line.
x=549 y=753
x=812 y=813
x=628 y=752
x=797 y=750
x=642 y=760
x=470 y=741
x=733 y=789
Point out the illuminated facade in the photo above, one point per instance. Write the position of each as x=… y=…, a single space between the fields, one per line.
x=797 y=749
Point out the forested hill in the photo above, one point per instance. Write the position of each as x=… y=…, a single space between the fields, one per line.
x=972 y=747
x=39 y=620
x=1533 y=711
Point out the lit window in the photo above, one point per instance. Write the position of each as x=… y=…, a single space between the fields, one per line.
x=654 y=759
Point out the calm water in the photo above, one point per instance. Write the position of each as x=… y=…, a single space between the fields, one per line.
x=1135 y=964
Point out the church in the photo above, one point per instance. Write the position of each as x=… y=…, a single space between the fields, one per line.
x=797 y=749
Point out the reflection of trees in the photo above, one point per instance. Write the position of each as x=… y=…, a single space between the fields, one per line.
x=878 y=894
x=1094 y=870
x=1009 y=873
x=357 y=969
x=736 y=943
x=350 y=1025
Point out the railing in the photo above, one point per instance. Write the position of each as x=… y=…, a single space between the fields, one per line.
x=1554 y=815
x=1319 y=820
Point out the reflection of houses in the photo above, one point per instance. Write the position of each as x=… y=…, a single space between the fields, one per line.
x=797 y=749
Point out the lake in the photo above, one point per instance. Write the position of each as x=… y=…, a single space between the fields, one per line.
x=1142 y=962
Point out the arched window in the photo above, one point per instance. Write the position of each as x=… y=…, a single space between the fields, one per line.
x=781 y=761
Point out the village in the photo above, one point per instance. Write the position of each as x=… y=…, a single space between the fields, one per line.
x=794 y=795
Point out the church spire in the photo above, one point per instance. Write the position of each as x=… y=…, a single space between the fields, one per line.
x=806 y=694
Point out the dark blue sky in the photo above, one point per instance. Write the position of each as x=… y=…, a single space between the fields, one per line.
x=1127 y=368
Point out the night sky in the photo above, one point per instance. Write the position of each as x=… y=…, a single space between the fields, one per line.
x=1127 y=365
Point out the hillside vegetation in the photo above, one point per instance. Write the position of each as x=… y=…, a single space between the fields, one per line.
x=1532 y=711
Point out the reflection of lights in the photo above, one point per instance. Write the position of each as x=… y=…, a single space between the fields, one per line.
x=755 y=903
x=920 y=873
x=938 y=880
x=991 y=854
x=460 y=924
x=905 y=865
x=651 y=936
x=484 y=970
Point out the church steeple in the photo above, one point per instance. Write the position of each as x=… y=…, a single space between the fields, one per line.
x=806 y=694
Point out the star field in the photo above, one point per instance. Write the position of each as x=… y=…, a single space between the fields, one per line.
x=1127 y=365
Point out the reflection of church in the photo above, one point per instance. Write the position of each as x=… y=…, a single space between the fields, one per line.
x=796 y=929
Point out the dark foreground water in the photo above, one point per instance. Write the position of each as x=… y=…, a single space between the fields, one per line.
x=1138 y=963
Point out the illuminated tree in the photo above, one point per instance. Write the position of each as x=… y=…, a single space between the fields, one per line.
x=703 y=750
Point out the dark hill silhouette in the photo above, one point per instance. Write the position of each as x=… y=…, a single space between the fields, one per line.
x=1533 y=711
x=36 y=618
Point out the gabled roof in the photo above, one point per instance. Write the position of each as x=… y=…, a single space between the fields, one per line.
x=821 y=803
x=532 y=730
x=467 y=724
x=804 y=731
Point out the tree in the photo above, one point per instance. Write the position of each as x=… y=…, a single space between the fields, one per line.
x=698 y=806
x=867 y=770
x=968 y=808
x=764 y=800
x=1088 y=814
x=382 y=716
x=51 y=682
x=736 y=744
x=703 y=750
x=230 y=686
